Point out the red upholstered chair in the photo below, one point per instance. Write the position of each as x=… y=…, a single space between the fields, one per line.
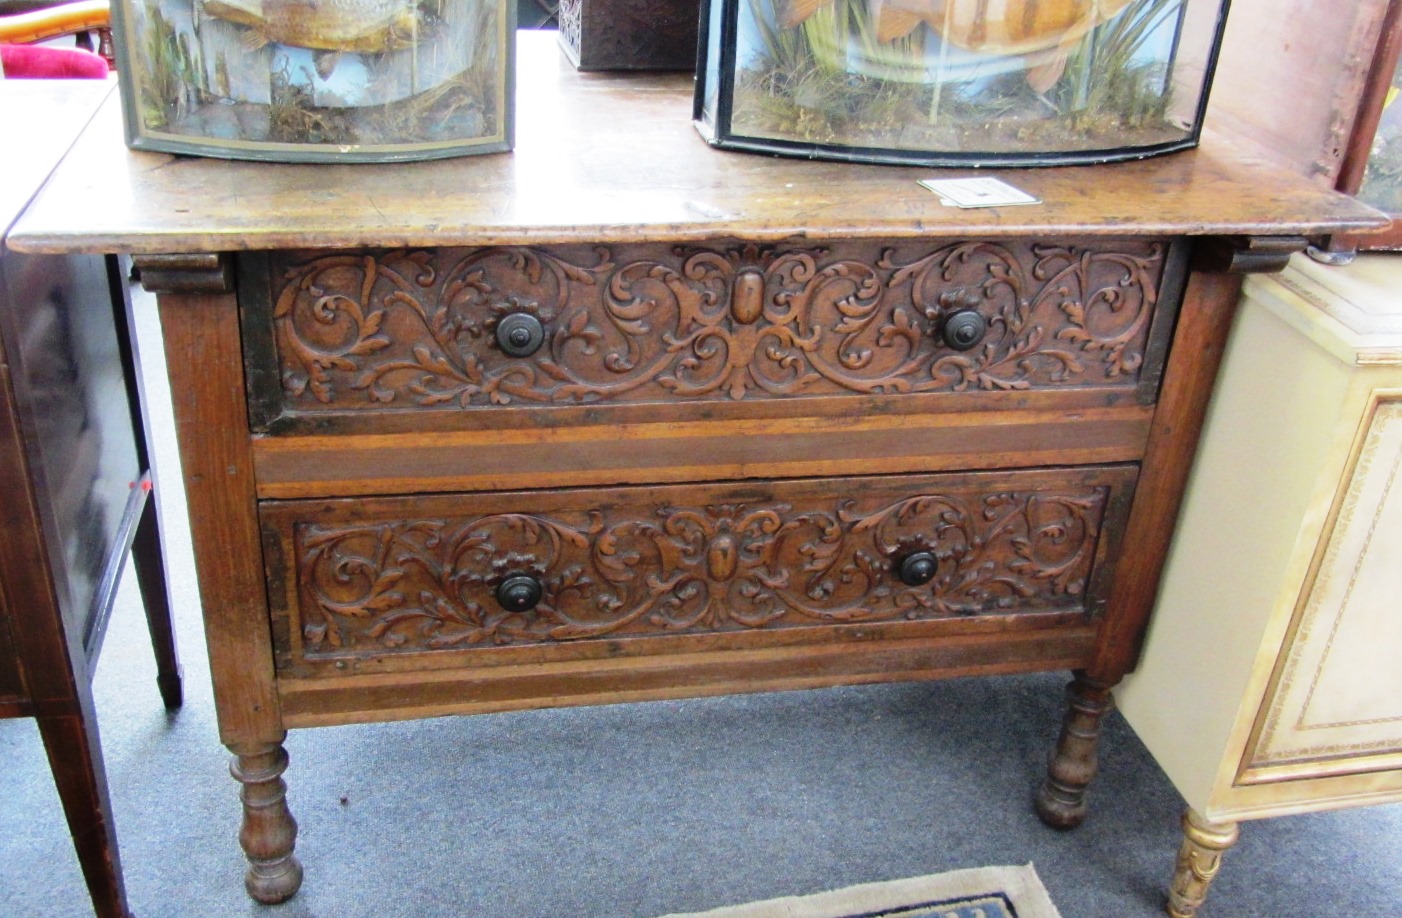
x=23 y=23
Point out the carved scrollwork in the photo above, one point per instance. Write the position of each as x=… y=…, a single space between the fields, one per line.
x=643 y=323
x=424 y=584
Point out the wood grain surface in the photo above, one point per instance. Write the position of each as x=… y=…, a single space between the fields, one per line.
x=604 y=158
x=325 y=466
x=30 y=102
x=390 y=696
x=217 y=464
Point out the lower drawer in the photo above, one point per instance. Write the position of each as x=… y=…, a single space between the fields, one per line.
x=395 y=583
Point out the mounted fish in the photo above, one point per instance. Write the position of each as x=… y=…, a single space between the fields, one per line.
x=329 y=26
x=1041 y=32
x=946 y=82
x=317 y=80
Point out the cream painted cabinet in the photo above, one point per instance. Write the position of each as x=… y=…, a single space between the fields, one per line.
x=1271 y=679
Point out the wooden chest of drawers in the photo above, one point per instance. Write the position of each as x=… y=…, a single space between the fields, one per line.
x=620 y=417
x=699 y=456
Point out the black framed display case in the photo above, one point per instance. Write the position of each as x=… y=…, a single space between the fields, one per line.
x=958 y=82
x=292 y=81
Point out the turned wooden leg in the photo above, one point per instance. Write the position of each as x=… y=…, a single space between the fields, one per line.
x=148 y=561
x=1062 y=800
x=269 y=832
x=1199 y=859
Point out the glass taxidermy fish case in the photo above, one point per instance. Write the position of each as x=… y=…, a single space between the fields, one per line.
x=957 y=82
x=317 y=80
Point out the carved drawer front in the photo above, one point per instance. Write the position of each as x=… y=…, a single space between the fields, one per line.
x=646 y=569
x=454 y=330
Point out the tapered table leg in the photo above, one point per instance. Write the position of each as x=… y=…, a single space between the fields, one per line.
x=75 y=758
x=1062 y=800
x=148 y=561
x=269 y=832
x=1199 y=859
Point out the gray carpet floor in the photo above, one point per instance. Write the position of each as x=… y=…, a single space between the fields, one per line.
x=638 y=810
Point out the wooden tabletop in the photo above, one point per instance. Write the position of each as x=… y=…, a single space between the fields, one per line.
x=614 y=157
x=45 y=117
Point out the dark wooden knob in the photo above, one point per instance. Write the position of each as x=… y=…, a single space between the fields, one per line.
x=917 y=568
x=520 y=334
x=964 y=329
x=519 y=593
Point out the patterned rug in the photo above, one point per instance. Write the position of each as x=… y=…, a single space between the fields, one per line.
x=984 y=892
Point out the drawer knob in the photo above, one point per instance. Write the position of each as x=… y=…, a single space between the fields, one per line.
x=519 y=593
x=520 y=334
x=917 y=568
x=964 y=329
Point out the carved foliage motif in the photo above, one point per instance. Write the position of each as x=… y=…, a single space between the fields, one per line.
x=422 y=584
x=643 y=323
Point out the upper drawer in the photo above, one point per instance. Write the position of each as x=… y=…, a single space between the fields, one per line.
x=352 y=339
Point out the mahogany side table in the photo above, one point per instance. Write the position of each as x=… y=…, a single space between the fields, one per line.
x=77 y=485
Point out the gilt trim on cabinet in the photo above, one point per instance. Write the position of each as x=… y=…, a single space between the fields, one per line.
x=1370 y=461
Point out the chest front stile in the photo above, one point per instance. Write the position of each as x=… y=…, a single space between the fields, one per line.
x=199 y=323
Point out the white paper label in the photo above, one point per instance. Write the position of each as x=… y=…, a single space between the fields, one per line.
x=977 y=192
